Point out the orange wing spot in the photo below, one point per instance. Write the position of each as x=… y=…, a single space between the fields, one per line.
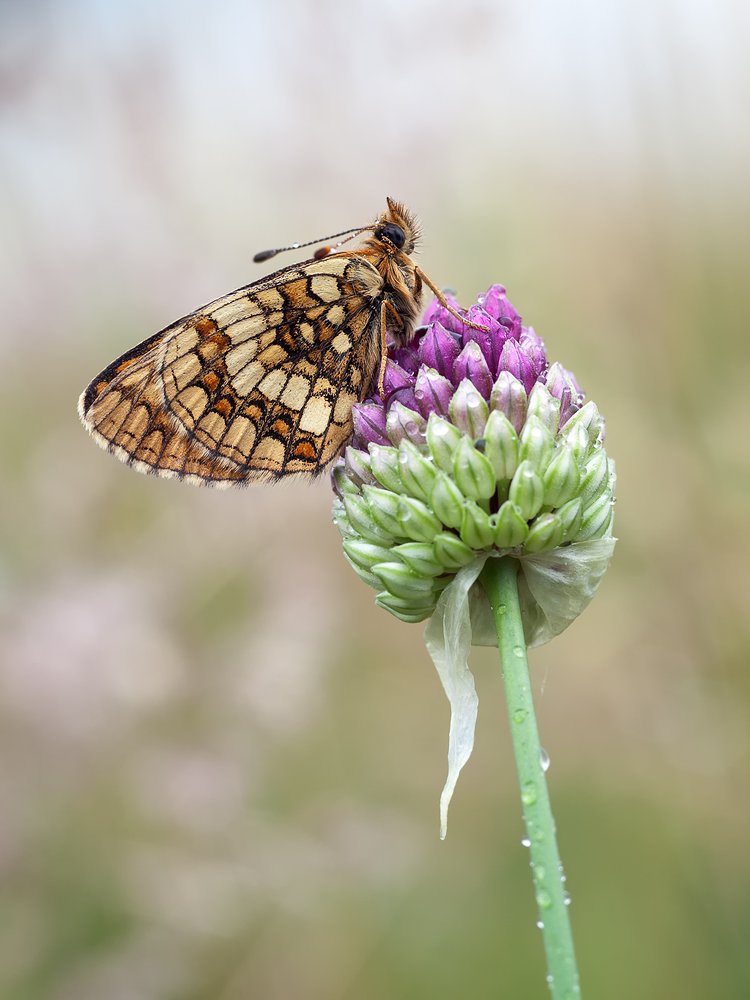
x=211 y=347
x=253 y=413
x=281 y=427
x=305 y=450
x=205 y=326
x=224 y=407
x=211 y=380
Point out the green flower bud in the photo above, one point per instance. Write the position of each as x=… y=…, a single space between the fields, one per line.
x=537 y=444
x=442 y=439
x=510 y=528
x=473 y=471
x=562 y=478
x=595 y=477
x=577 y=438
x=447 y=500
x=365 y=554
x=401 y=581
x=420 y=557
x=361 y=519
x=343 y=483
x=468 y=409
x=596 y=518
x=570 y=514
x=358 y=466
x=411 y=611
x=589 y=417
x=365 y=575
x=385 y=467
x=526 y=490
x=417 y=520
x=384 y=508
x=404 y=424
x=341 y=520
x=544 y=406
x=417 y=472
x=545 y=533
x=509 y=397
x=451 y=551
x=476 y=529
x=501 y=444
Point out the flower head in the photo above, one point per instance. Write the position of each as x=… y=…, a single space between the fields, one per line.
x=479 y=447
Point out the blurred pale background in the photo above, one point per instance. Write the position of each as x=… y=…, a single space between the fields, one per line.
x=219 y=762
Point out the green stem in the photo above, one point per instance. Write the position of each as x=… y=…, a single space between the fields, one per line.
x=499 y=581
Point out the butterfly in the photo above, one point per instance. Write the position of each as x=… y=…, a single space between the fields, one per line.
x=260 y=384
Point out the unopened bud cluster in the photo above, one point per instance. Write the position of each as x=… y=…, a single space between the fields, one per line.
x=479 y=446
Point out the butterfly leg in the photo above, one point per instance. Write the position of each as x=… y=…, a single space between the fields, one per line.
x=387 y=312
x=444 y=302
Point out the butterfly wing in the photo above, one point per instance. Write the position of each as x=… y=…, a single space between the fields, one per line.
x=257 y=385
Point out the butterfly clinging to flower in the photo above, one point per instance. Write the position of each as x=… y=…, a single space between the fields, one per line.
x=260 y=383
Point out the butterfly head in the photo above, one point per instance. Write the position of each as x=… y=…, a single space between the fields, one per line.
x=397 y=228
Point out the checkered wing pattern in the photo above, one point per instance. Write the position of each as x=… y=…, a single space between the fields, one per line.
x=257 y=385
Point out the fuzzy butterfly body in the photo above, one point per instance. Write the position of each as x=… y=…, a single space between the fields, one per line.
x=260 y=383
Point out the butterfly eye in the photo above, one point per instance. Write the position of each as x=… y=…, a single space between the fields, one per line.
x=393 y=233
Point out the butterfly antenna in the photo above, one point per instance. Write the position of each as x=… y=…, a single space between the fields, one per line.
x=349 y=233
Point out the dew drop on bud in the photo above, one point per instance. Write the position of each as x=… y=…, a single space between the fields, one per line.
x=526 y=842
x=544 y=759
x=540 y=924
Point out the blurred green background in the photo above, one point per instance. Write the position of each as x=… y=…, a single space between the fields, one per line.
x=220 y=764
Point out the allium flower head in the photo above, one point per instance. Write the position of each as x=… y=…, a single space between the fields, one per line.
x=480 y=447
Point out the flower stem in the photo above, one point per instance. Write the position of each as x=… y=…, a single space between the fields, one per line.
x=499 y=581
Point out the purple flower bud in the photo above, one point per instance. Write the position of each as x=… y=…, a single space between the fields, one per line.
x=490 y=342
x=471 y=364
x=559 y=378
x=433 y=392
x=533 y=345
x=369 y=425
x=438 y=350
x=404 y=357
x=518 y=363
x=398 y=384
x=495 y=302
x=437 y=313
x=562 y=385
